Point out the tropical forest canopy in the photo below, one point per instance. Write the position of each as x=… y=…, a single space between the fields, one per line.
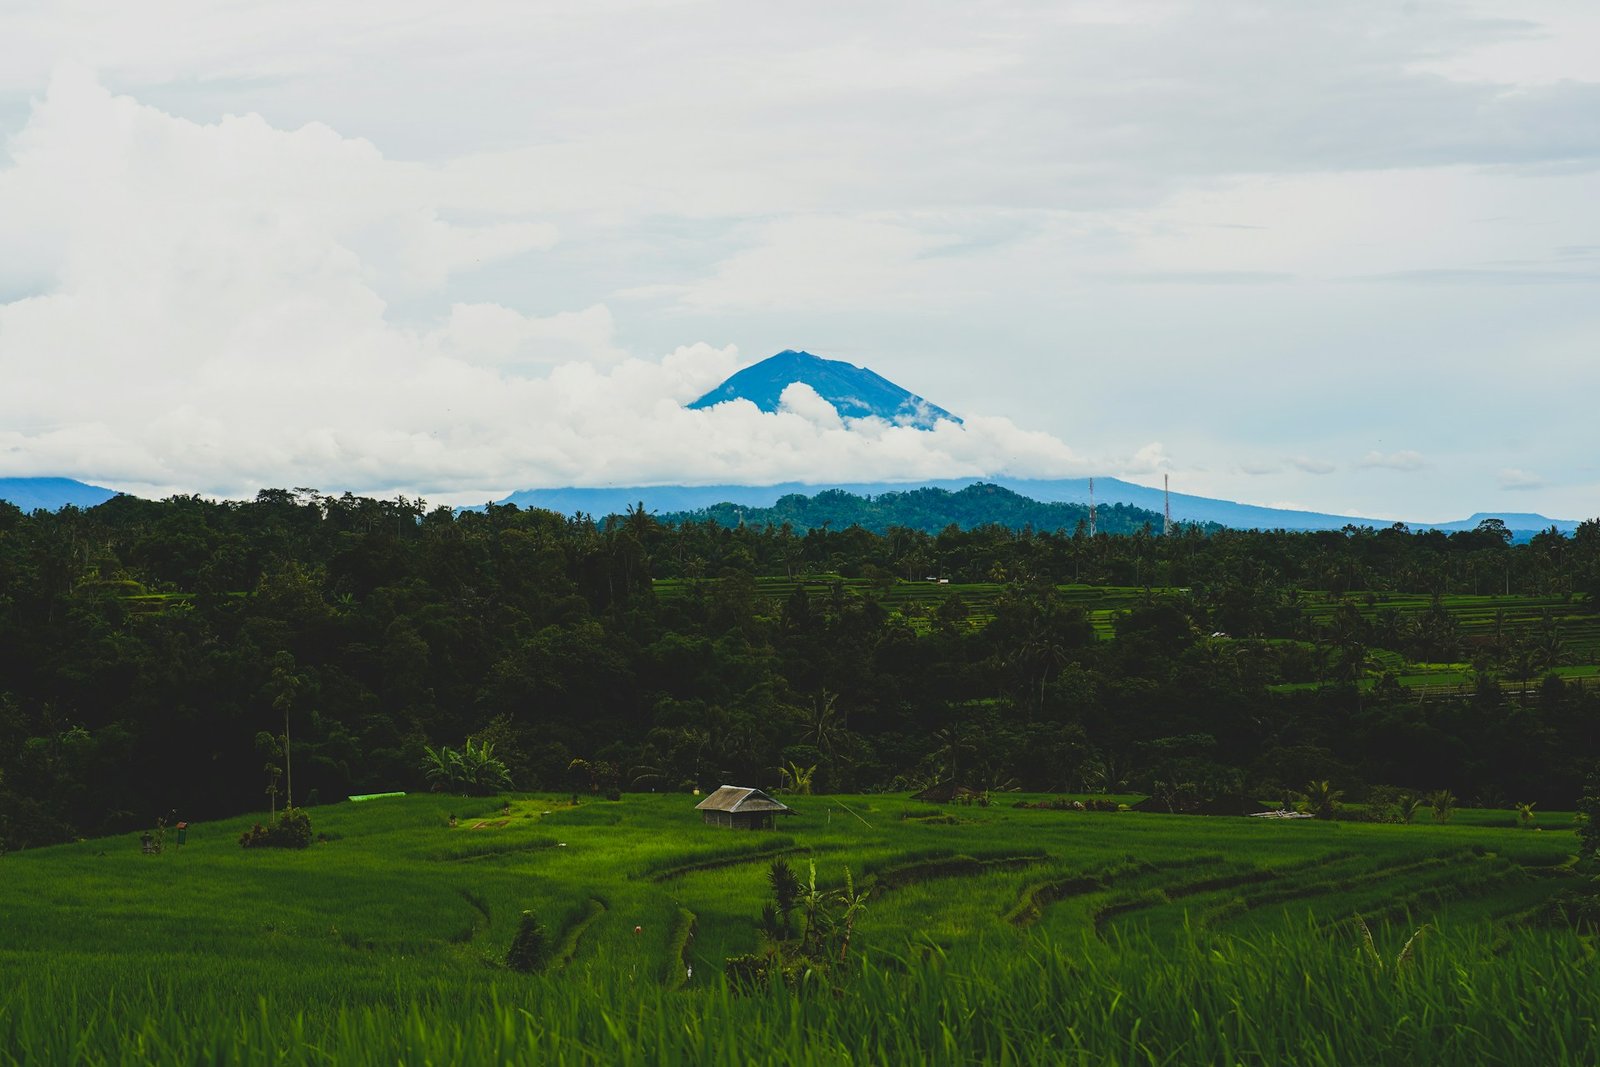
x=152 y=653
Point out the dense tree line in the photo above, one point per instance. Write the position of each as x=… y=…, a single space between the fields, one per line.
x=927 y=509
x=151 y=653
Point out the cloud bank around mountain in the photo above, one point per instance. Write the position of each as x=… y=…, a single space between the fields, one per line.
x=1344 y=253
x=208 y=309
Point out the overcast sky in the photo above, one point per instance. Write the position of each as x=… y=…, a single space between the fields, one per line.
x=1343 y=256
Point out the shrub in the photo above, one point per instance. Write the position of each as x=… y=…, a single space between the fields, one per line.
x=473 y=770
x=1578 y=907
x=1443 y=803
x=1321 y=799
x=292 y=830
x=756 y=971
x=530 y=945
x=1589 y=817
x=822 y=948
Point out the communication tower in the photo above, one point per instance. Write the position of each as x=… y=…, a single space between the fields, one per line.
x=1166 y=495
x=1091 y=507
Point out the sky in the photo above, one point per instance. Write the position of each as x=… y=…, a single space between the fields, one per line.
x=1332 y=256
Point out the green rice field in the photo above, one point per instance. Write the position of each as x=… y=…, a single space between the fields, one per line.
x=992 y=934
x=1479 y=618
x=916 y=599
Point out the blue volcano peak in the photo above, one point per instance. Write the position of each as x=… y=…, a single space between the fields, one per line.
x=855 y=392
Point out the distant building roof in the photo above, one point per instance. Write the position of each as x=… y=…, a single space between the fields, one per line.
x=944 y=792
x=736 y=798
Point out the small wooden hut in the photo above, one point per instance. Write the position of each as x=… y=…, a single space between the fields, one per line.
x=944 y=792
x=737 y=807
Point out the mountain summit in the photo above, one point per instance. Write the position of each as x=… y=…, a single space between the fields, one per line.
x=855 y=391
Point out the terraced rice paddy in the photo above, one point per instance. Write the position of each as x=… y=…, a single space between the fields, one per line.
x=917 y=599
x=1478 y=617
x=998 y=933
x=1483 y=619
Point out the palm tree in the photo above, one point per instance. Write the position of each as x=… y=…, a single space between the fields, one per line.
x=437 y=767
x=1549 y=647
x=1443 y=803
x=1321 y=799
x=473 y=770
x=1410 y=804
x=854 y=904
x=481 y=771
x=1525 y=815
x=814 y=903
x=285 y=685
x=786 y=894
x=953 y=746
x=797 y=779
x=824 y=725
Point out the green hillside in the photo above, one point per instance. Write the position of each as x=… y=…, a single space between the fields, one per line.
x=927 y=509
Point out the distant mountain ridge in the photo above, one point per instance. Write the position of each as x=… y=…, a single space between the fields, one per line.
x=52 y=494
x=678 y=499
x=856 y=392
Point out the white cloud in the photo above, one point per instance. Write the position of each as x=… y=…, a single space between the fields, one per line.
x=1249 y=229
x=1404 y=460
x=1150 y=459
x=500 y=336
x=1513 y=478
x=816 y=264
x=801 y=399
x=218 y=320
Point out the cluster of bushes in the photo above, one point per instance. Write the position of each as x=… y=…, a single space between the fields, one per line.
x=805 y=932
x=291 y=830
x=1063 y=804
x=530 y=945
x=472 y=770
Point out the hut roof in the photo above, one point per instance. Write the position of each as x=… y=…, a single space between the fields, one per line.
x=736 y=798
x=943 y=792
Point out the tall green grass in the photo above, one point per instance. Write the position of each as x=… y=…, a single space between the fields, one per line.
x=1010 y=935
x=1302 y=995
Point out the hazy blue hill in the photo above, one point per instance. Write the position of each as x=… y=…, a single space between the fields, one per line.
x=680 y=499
x=855 y=391
x=1517 y=521
x=1239 y=516
x=32 y=494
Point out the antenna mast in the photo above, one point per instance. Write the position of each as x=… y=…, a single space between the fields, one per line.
x=1166 y=494
x=1091 y=507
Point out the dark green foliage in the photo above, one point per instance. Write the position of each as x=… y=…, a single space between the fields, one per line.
x=929 y=510
x=1321 y=799
x=755 y=971
x=819 y=949
x=530 y=945
x=1578 y=907
x=291 y=830
x=473 y=771
x=1589 y=817
x=145 y=646
x=785 y=895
